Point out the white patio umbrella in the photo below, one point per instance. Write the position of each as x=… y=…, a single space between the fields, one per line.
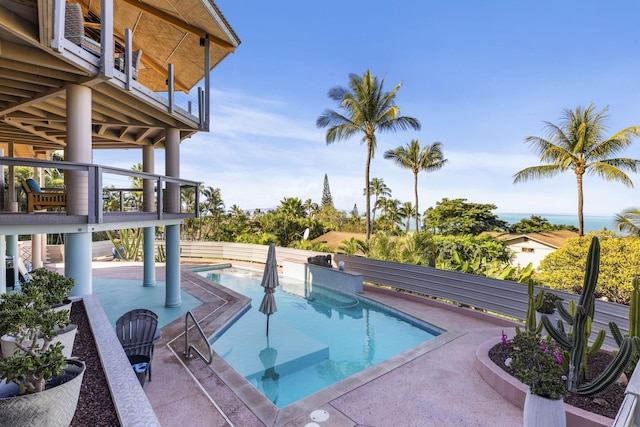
x=269 y=283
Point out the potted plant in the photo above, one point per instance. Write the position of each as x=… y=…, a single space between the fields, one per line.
x=39 y=385
x=28 y=322
x=54 y=286
x=537 y=362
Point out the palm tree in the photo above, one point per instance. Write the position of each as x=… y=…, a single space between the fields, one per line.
x=578 y=143
x=429 y=159
x=407 y=210
x=367 y=109
x=377 y=188
x=628 y=221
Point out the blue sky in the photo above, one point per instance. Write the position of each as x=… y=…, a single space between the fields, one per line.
x=479 y=75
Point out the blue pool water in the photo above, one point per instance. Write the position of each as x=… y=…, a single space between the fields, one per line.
x=316 y=338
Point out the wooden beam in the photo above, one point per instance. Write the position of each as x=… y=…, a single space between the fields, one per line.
x=178 y=23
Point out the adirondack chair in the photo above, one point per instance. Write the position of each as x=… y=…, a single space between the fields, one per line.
x=42 y=200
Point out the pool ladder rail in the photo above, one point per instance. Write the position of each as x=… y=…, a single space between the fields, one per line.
x=188 y=347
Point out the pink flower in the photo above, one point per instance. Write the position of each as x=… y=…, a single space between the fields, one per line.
x=558 y=356
x=505 y=341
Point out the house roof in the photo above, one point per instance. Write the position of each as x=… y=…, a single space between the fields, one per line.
x=554 y=239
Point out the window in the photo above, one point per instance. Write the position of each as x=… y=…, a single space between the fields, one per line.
x=528 y=250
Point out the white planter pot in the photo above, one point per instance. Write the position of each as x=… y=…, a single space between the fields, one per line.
x=67 y=337
x=54 y=406
x=540 y=411
x=66 y=305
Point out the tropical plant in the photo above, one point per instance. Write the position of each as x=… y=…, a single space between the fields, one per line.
x=127 y=243
x=428 y=159
x=537 y=362
x=576 y=340
x=367 y=109
x=563 y=269
x=407 y=210
x=377 y=188
x=352 y=246
x=578 y=143
x=628 y=221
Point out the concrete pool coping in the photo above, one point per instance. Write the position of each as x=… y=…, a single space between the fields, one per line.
x=408 y=389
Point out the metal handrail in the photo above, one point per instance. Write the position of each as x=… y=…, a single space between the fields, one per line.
x=188 y=347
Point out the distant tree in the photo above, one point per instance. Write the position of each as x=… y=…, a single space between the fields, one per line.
x=563 y=269
x=457 y=216
x=378 y=189
x=391 y=219
x=366 y=109
x=326 y=193
x=537 y=224
x=311 y=207
x=628 y=222
x=578 y=143
x=428 y=159
x=354 y=211
x=407 y=210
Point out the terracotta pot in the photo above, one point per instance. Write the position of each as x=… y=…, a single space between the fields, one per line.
x=541 y=411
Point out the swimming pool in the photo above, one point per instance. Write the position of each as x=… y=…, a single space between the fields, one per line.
x=316 y=338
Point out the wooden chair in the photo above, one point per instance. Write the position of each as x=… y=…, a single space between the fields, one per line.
x=42 y=200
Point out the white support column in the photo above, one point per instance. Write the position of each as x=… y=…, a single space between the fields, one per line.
x=172 y=168
x=3 y=266
x=77 y=248
x=148 y=198
x=36 y=239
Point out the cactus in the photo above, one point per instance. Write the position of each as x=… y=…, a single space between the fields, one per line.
x=534 y=303
x=634 y=325
x=575 y=342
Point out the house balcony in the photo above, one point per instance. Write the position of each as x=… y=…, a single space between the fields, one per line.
x=148 y=69
x=149 y=200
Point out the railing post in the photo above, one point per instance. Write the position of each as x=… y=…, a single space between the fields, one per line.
x=128 y=55
x=207 y=82
x=170 y=84
x=106 y=38
x=58 y=25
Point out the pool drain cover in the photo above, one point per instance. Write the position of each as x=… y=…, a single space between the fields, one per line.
x=319 y=415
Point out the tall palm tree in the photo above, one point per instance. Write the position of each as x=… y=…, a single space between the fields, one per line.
x=578 y=143
x=628 y=221
x=367 y=108
x=377 y=188
x=429 y=159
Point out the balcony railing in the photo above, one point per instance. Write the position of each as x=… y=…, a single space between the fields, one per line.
x=93 y=41
x=155 y=198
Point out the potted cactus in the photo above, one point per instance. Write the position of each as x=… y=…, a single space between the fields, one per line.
x=39 y=385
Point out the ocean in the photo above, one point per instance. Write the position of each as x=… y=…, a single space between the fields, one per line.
x=591 y=223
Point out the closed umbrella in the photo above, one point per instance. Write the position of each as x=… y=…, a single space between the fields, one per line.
x=269 y=283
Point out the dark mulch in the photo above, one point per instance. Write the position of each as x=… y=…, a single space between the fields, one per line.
x=605 y=403
x=95 y=406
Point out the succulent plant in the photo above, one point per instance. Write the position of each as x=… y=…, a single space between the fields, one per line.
x=575 y=341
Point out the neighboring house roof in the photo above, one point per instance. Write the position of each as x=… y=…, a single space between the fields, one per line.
x=554 y=239
x=333 y=239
